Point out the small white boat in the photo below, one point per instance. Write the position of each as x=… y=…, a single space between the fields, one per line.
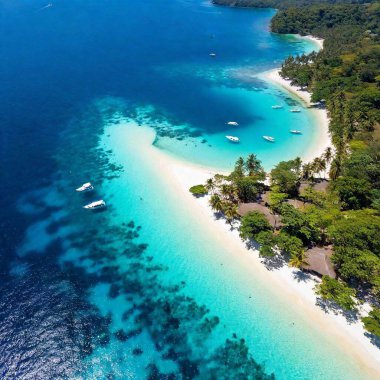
x=85 y=187
x=96 y=205
x=276 y=107
x=233 y=139
x=295 y=110
x=295 y=132
x=212 y=54
x=269 y=138
x=235 y=123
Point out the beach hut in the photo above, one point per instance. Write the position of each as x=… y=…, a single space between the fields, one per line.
x=319 y=261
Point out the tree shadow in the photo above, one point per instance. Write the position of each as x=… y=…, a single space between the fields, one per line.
x=274 y=263
x=375 y=340
x=302 y=276
x=328 y=306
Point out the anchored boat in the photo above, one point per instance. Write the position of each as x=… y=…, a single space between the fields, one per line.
x=233 y=139
x=269 y=138
x=95 y=205
x=85 y=187
x=235 y=123
x=295 y=132
x=276 y=107
x=295 y=110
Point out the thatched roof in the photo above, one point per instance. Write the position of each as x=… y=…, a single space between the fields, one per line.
x=295 y=203
x=318 y=259
x=245 y=208
x=264 y=198
x=321 y=185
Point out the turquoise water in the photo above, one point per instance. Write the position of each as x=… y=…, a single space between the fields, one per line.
x=142 y=289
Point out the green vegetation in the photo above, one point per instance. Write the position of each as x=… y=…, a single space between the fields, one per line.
x=344 y=77
x=337 y=291
x=372 y=322
x=252 y=224
x=198 y=190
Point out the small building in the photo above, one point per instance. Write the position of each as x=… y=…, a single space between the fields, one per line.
x=321 y=185
x=273 y=219
x=319 y=261
x=296 y=203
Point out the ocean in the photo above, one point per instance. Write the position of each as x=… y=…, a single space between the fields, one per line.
x=139 y=290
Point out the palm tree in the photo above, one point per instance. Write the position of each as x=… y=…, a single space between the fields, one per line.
x=335 y=168
x=253 y=165
x=238 y=171
x=210 y=185
x=230 y=211
x=216 y=203
x=298 y=259
x=228 y=191
x=328 y=155
x=307 y=171
x=318 y=165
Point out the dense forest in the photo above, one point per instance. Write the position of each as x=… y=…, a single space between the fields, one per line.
x=344 y=77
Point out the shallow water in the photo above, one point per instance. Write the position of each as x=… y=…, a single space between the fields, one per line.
x=138 y=290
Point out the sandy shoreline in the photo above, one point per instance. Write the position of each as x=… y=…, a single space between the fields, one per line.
x=350 y=337
x=180 y=176
x=322 y=141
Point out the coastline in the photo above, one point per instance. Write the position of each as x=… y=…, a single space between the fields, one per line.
x=350 y=337
x=322 y=140
x=179 y=175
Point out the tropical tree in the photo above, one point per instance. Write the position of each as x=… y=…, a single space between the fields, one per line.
x=216 y=203
x=286 y=175
x=372 y=322
x=228 y=191
x=230 y=211
x=298 y=259
x=198 y=190
x=239 y=170
x=210 y=185
x=328 y=155
x=338 y=292
x=307 y=171
x=247 y=189
x=318 y=165
x=253 y=223
x=254 y=167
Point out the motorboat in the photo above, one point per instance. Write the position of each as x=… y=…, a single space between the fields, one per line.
x=233 y=139
x=295 y=132
x=235 y=123
x=95 y=205
x=295 y=110
x=85 y=187
x=276 y=107
x=212 y=54
x=269 y=138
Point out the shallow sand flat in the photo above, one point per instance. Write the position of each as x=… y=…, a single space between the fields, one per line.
x=180 y=175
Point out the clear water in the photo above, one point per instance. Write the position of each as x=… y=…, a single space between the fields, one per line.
x=139 y=290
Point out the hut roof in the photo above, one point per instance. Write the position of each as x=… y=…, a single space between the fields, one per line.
x=295 y=203
x=318 y=259
x=264 y=198
x=321 y=185
x=245 y=208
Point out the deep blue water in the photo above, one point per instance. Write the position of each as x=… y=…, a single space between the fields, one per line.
x=86 y=295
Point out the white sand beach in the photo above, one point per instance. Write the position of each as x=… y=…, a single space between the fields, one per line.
x=300 y=294
x=180 y=176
